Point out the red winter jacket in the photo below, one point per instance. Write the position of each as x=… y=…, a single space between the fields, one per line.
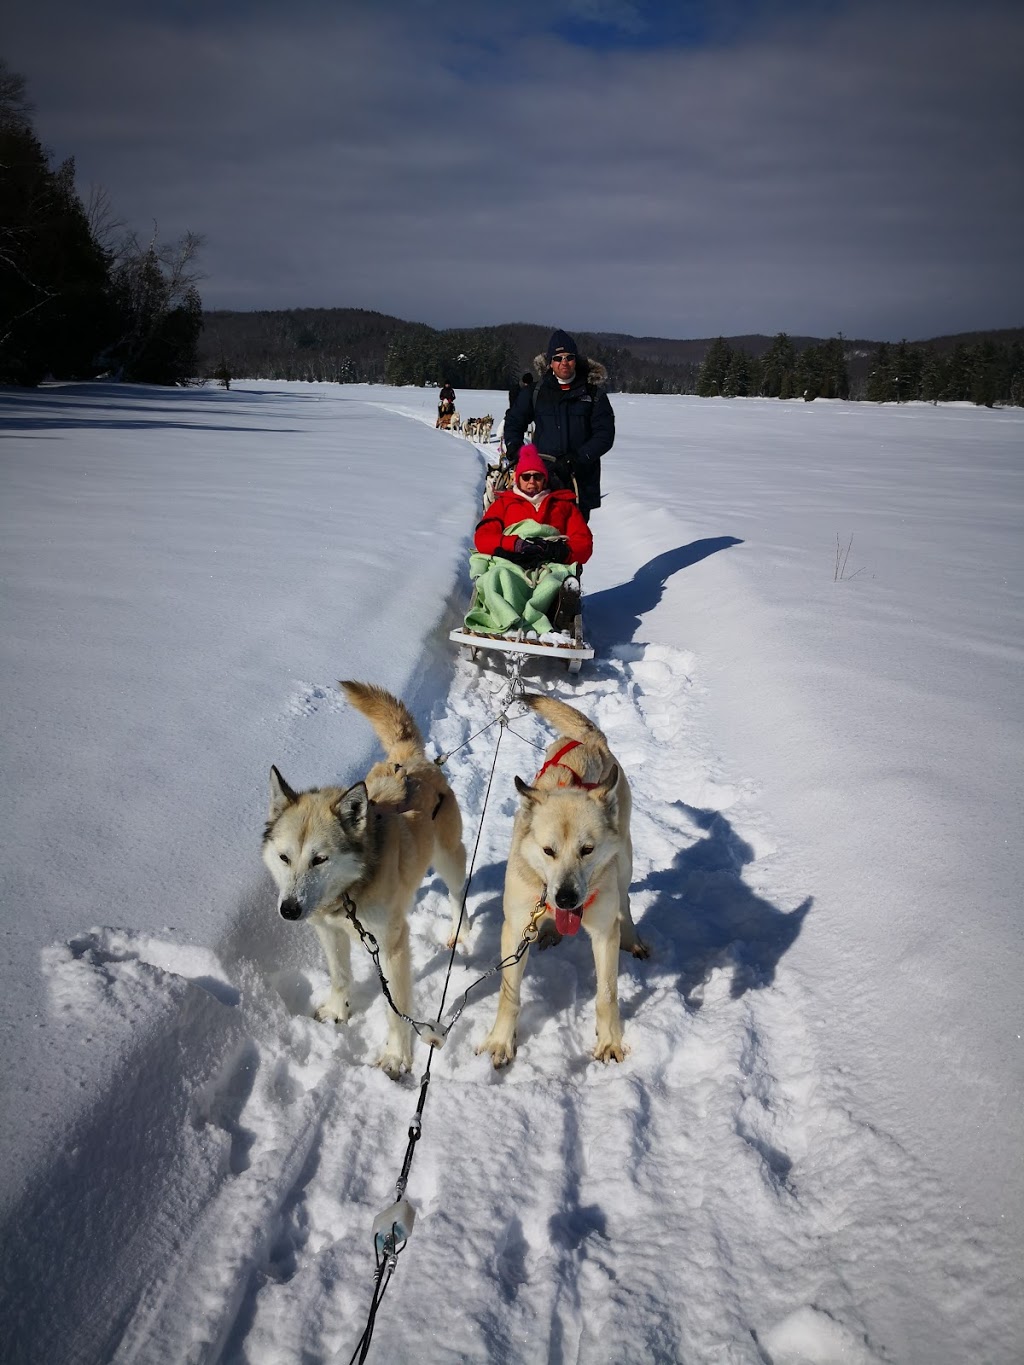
x=557 y=509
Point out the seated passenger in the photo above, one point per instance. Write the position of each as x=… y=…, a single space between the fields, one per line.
x=530 y=541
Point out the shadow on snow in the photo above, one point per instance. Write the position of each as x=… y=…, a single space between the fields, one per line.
x=71 y=407
x=711 y=918
x=613 y=615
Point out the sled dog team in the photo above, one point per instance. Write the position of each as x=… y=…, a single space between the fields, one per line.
x=365 y=849
x=473 y=428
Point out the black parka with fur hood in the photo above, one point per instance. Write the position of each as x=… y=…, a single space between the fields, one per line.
x=575 y=425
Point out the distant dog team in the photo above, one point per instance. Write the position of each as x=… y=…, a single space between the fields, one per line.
x=473 y=428
x=478 y=429
x=365 y=849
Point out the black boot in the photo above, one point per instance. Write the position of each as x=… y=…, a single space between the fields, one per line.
x=567 y=607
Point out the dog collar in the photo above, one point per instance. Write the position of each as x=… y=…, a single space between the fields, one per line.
x=555 y=761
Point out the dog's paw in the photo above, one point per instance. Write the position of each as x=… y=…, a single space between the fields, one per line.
x=639 y=949
x=394 y=1065
x=332 y=1012
x=502 y=1051
x=548 y=936
x=610 y=1052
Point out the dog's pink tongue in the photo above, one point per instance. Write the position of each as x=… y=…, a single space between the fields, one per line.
x=567 y=921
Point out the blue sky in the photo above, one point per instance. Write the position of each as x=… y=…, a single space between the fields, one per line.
x=663 y=169
x=650 y=24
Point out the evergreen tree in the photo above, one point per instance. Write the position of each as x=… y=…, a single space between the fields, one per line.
x=713 y=371
x=736 y=383
x=1015 y=374
x=808 y=377
x=411 y=358
x=957 y=385
x=880 y=386
x=54 y=304
x=987 y=374
x=755 y=375
x=777 y=368
x=834 y=376
x=905 y=372
x=69 y=304
x=933 y=375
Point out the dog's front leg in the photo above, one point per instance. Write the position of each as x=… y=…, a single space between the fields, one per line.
x=606 y=964
x=501 y=1041
x=396 y=965
x=337 y=949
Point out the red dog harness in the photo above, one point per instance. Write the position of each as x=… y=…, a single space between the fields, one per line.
x=568 y=921
x=555 y=761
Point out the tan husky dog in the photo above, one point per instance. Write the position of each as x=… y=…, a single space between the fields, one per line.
x=369 y=847
x=571 y=862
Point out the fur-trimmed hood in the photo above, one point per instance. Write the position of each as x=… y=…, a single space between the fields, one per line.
x=590 y=371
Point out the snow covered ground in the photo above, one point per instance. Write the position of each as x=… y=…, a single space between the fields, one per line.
x=812 y=1153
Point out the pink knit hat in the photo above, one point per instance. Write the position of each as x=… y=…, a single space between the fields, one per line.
x=529 y=462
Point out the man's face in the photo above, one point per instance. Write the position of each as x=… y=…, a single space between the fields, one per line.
x=563 y=366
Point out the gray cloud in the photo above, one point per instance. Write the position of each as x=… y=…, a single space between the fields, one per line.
x=858 y=171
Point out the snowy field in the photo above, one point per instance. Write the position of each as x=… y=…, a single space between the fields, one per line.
x=812 y=1153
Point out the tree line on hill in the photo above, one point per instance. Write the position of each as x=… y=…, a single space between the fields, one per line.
x=349 y=345
x=783 y=371
x=985 y=372
x=79 y=295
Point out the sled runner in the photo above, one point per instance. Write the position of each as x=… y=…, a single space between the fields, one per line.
x=571 y=649
x=572 y=655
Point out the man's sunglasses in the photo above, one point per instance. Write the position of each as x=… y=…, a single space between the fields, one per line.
x=557 y=359
x=532 y=477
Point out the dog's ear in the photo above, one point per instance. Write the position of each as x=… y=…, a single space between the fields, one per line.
x=528 y=793
x=352 y=808
x=605 y=792
x=281 y=795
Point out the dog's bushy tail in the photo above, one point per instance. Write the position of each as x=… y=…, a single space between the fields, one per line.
x=564 y=719
x=395 y=727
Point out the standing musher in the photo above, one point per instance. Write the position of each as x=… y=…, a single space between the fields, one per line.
x=573 y=420
x=445 y=405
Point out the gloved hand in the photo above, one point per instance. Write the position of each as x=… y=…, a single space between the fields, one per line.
x=558 y=551
x=530 y=551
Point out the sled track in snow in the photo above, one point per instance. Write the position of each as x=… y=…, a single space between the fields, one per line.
x=567 y=1210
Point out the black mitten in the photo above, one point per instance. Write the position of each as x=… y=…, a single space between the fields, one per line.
x=531 y=551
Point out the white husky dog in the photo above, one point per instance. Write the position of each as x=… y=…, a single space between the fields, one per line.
x=367 y=848
x=570 y=863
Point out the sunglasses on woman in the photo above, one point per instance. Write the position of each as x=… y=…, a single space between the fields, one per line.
x=533 y=478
